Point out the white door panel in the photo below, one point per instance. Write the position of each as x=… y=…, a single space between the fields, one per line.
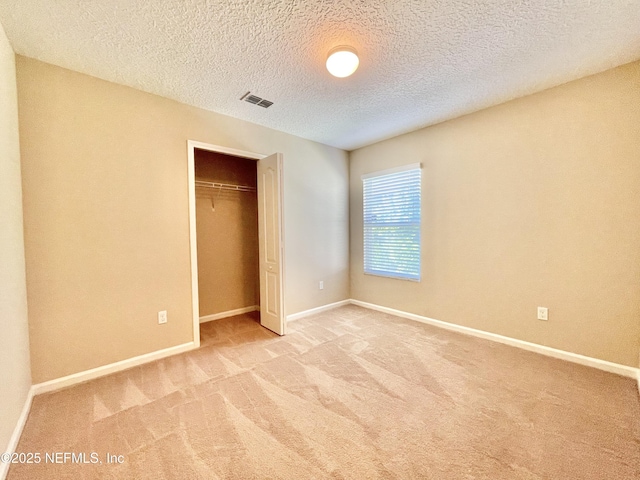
x=270 y=238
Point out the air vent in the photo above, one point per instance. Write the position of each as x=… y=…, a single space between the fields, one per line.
x=247 y=97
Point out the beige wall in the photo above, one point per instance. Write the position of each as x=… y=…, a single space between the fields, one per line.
x=227 y=230
x=15 y=378
x=535 y=202
x=106 y=216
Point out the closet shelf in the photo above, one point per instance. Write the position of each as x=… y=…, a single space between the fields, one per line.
x=225 y=186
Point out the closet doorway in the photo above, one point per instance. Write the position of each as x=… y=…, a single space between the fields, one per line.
x=236 y=231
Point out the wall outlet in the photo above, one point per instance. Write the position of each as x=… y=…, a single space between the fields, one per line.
x=321 y=286
x=162 y=317
x=543 y=313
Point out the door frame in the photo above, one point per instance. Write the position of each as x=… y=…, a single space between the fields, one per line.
x=193 y=239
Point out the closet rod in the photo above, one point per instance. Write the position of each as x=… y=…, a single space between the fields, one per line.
x=225 y=186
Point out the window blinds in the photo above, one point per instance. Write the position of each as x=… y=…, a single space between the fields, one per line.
x=391 y=205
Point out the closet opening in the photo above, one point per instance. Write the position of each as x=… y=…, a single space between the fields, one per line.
x=227 y=238
x=236 y=243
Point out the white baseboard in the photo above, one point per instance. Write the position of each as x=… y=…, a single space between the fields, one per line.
x=63 y=382
x=611 y=367
x=229 y=313
x=17 y=432
x=313 y=311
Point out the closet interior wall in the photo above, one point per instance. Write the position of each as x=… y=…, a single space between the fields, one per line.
x=227 y=234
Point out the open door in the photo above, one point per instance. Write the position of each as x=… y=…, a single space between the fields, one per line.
x=270 y=238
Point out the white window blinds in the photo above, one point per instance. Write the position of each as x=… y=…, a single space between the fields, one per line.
x=391 y=205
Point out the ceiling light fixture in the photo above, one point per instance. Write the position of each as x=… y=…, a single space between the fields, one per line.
x=342 y=61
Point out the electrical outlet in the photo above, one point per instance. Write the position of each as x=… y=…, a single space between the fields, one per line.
x=321 y=285
x=162 y=317
x=543 y=313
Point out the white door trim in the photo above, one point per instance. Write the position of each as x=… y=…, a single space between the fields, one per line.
x=193 y=240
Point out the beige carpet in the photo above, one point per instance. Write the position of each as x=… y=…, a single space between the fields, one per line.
x=350 y=393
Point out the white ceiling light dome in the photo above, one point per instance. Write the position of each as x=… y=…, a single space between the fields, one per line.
x=342 y=61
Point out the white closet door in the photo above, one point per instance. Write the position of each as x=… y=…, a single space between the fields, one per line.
x=270 y=236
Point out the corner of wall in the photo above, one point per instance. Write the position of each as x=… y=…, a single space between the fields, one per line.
x=14 y=342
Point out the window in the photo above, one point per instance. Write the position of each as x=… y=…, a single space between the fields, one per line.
x=391 y=207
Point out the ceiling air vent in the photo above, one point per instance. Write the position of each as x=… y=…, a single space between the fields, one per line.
x=252 y=99
x=261 y=102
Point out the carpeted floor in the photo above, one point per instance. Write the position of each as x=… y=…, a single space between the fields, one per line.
x=349 y=393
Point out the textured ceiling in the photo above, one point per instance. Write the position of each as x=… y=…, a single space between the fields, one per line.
x=421 y=62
